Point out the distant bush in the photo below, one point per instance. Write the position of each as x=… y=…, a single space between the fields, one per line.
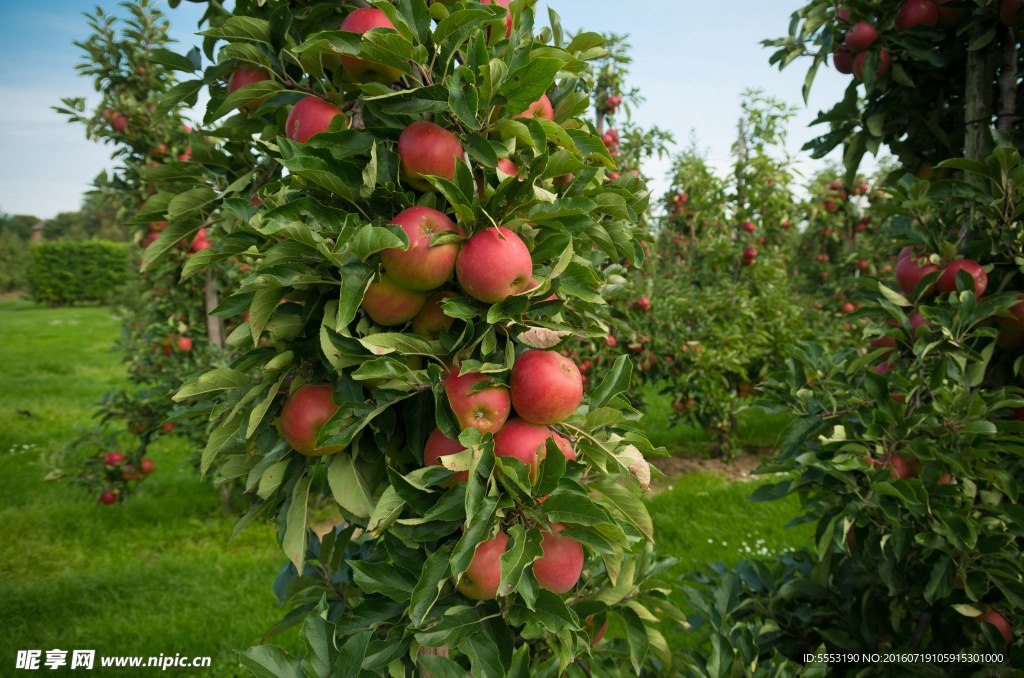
x=14 y=262
x=68 y=272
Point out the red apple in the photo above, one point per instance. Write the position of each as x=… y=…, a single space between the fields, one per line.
x=546 y=387
x=884 y=367
x=883 y=65
x=119 y=122
x=559 y=569
x=247 y=75
x=493 y=264
x=948 y=17
x=361 y=21
x=947 y=281
x=389 y=304
x=508 y=21
x=748 y=226
x=184 y=344
x=884 y=342
x=847 y=308
x=539 y=109
x=842 y=59
x=526 y=442
x=113 y=459
x=1016 y=323
x=588 y=627
x=429 y=322
x=750 y=253
x=425 y=148
x=909 y=272
x=917 y=13
x=147 y=465
x=167 y=427
x=304 y=414
x=439 y=445
x=483 y=577
x=508 y=167
x=108 y=498
x=486 y=409
x=860 y=37
x=422 y=266
x=996 y=618
x=130 y=473
x=310 y=116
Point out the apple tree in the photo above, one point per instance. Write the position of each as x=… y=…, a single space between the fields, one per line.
x=395 y=177
x=167 y=333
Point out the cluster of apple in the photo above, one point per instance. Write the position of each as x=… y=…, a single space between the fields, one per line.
x=114 y=461
x=168 y=344
x=611 y=140
x=117 y=120
x=545 y=387
x=611 y=103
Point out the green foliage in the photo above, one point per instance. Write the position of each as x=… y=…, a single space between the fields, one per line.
x=15 y=261
x=69 y=272
x=909 y=470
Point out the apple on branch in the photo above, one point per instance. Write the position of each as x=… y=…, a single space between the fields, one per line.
x=304 y=414
x=310 y=116
x=422 y=266
x=427 y=149
x=360 y=21
x=486 y=409
x=493 y=264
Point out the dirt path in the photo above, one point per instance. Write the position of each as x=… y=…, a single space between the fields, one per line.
x=735 y=470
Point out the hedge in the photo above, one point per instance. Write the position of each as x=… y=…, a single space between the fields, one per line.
x=66 y=272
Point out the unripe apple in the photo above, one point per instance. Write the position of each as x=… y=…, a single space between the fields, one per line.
x=842 y=59
x=304 y=414
x=425 y=148
x=559 y=569
x=909 y=272
x=527 y=442
x=429 y=322
x=883 y=65
x=439 y=445
x=486 y=409
x=483 y=577
x=108 y=498
x=310 y=116
x=361 y=21
x=493 y=264
x=947 y=281
x=917 y=13
x=184 y=344
x=546 y=387
x=389 y=304
x=860 y=37
x=422 y=266
x=539 y=109
x=247 y=75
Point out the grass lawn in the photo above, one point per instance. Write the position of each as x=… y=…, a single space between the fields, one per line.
x=158 y=576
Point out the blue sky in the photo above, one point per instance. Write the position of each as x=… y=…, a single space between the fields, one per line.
x=692 y=60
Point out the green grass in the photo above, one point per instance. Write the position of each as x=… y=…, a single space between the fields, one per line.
x=158 y=576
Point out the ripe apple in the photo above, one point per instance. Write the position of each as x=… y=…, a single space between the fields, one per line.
x=361 y=21
x=917 y=13
x=113 y=459
x=304 y=414
x=508 y=21
x=508 y=167
x=429 y=322
x=539 y=109
x=884 y=342
x=842 y=59
x=917 y=320
x=750 y=253
x=546 y=387
x=147 y=465
x=425 y=148
x=184 y=344
x=594 y=640
x=1011 y=12
x=247 y=75
x=481 y=580
x=860 y=37
x=948 y=17
x=167 y=427
x=130 y=473
x=526 y=442
x=884 y=367
x=903 y=467
x=559 y=569
x=108 y=498
x=439 y=445
x=910 y=270
x=422 y=266
x=883 y=65
x=486 y=409
x=843 y=15
x=748 y=226
x=119 y=122
x=493 y=264
x=389 y=304
x=1016 y=323
x=996 y=619
x=947 y=281
x=310 y=116
x=847 y=308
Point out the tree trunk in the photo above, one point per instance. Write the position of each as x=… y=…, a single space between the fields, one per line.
x=1007 y=115
x=978 y=110
x=214 y=324
x=438 y=651
x=741 y=163
x=225 y=499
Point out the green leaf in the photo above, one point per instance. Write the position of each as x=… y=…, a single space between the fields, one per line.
x=296 y=535
x=616 y=381
x=270 y=661
x=383 y=578
x=524 y=550
x=387 y=510
x=436 y=573
x=623 y=504
x=348 y=487
x=525 y=85
x=636 y=637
